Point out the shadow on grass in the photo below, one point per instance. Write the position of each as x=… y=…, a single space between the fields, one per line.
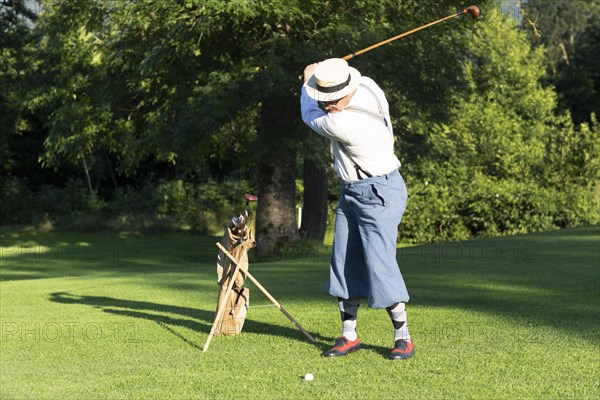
x=549 y=280
x=169 y=316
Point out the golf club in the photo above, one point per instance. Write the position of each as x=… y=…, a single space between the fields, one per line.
x=238 y=224
x=473 y=11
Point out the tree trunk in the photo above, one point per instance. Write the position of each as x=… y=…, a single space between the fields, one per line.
x=87 y=175
x=110 y=169
x=276 y=211
x=314 y=214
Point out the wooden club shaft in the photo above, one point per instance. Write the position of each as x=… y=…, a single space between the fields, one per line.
x=352 y=55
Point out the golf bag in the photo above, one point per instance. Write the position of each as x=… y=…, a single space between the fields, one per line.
x=233 y=318
x=232 y=271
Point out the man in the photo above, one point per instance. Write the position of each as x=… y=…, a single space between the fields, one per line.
x=353 y=113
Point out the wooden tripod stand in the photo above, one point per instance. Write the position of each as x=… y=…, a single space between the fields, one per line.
x=240 y=266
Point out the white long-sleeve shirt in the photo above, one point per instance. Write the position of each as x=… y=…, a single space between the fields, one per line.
x=365 y=140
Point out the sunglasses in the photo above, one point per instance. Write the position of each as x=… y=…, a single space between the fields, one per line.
x=324 y=104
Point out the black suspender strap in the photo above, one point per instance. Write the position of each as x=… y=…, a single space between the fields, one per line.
x=357 y=167
x=358 y=171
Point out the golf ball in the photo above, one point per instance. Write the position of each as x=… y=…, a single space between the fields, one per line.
x=309 y=377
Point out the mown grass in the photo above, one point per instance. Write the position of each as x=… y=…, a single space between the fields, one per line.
x=126 y=316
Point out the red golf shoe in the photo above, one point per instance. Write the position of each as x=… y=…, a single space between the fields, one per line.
x=342 y=347
x=402 y=349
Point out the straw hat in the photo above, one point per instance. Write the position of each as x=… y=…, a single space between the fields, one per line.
x=332 y=80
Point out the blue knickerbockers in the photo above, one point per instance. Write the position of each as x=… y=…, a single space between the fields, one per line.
x=363 y=262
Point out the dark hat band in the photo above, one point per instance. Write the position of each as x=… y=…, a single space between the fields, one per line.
x=335 y=88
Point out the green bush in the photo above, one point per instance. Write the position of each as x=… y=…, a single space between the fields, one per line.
x=16 y=200
x=431 y=213
x=503 y=162
x=443 y=210
x=203 y=208
x=157 y=206
x=507 y=206
x=21 y=205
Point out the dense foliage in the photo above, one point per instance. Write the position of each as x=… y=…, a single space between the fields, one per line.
x=165 y=113
x=569 y=31
x=161 y=206
x=503 y=161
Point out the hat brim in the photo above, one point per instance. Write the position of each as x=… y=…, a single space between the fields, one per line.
x=314 y=93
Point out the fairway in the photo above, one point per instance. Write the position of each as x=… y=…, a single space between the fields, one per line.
x=126 y=316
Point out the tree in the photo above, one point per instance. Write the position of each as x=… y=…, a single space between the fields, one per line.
x=568 y=31
x=503 y=162
x=578 y=82
x=15 y=34
x=558 y=26
x=315 y=171
x=203 y=88
x=170 y=80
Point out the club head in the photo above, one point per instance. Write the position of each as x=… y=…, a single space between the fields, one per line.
x=250 y=197
x=236 y=222
x=473 y=11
